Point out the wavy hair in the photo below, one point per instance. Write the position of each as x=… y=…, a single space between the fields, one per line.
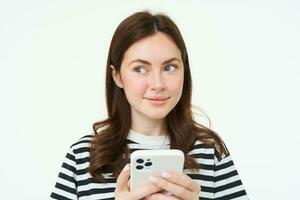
x=109 y=151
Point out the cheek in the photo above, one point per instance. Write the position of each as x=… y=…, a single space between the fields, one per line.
x=176 y=86
x=135 y=87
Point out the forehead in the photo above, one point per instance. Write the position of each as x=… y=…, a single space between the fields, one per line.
x=155 y=48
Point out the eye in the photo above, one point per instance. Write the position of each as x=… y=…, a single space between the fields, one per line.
x=138 y=69
x=168 y=67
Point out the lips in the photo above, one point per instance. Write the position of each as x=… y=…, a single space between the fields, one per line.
x=157 y=98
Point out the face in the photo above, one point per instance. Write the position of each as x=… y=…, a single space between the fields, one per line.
x=151 y=68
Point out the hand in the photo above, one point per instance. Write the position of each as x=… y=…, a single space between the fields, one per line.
x=122 y=191
x=177 y=187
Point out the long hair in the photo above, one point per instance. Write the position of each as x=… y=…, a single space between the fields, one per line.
x=109 y=150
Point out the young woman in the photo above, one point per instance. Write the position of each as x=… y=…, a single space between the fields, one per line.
x=148 y=97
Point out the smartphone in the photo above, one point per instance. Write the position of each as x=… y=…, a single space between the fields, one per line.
x=144 y=163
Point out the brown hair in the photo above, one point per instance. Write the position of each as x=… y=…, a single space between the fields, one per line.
x=109 y=150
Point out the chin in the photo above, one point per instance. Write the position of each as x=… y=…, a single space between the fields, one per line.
x=157 y=116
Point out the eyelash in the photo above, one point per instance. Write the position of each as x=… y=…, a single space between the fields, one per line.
x=136 y=68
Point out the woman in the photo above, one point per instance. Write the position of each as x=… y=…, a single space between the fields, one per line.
x=148 y=96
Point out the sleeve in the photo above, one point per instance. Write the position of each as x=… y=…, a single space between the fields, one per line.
x=66 y=185
x=227 y=183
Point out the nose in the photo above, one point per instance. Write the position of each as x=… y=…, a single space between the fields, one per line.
x=156 y=81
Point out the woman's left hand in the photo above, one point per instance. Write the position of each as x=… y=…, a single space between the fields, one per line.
x=177 y=186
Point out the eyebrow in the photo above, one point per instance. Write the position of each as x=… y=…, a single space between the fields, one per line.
x=148 y=63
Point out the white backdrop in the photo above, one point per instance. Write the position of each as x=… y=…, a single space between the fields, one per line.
x=244 y=57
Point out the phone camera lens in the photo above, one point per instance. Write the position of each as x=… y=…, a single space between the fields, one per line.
x=148 y=164
x=140 y=160
x=139 y=167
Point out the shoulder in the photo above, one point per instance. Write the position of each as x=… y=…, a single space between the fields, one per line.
x=83 y=144
x=201 y=147
x=207 y=150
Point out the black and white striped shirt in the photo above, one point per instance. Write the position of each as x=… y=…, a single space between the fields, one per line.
x=218 y=179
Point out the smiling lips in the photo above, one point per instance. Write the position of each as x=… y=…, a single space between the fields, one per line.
x=157 y=100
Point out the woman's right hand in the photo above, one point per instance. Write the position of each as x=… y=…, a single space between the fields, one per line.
x=123 y=192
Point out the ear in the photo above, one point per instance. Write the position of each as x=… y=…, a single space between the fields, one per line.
x=117 y=77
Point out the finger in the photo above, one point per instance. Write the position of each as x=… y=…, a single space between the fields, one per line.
x=128 y=184
x=123 y=178
x=182 y=180
x=161 y=196
x=175 y=189
x=167 y=193
x=144 y=191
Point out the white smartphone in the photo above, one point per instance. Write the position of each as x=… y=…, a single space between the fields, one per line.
x=144 y=163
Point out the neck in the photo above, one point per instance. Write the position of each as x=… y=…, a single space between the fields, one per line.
x=151 y=128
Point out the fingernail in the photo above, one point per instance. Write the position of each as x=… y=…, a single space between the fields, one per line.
x=169 y=194
x=165 y=175
x=126 y=168
x=153 y=179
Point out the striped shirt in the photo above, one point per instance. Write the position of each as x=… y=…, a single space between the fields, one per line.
x=218 y=179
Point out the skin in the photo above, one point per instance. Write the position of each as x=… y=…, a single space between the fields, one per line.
x=169 y=186
x=123 y=192
x=155 y=78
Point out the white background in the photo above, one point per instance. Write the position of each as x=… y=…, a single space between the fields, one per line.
x=244 y=58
